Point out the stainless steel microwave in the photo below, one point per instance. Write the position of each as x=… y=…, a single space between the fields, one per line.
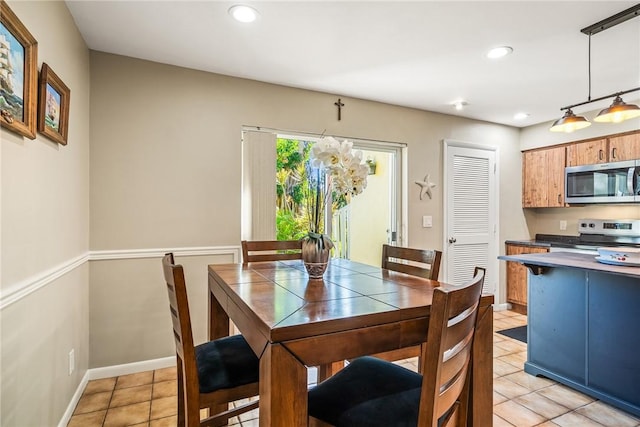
x=616 y=182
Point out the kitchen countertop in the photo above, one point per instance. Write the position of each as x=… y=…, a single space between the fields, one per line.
x=588 y=242
x=533 y=243
x=572 y=260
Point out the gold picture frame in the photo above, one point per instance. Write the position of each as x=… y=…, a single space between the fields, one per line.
x=17 y=100
x=53 y=106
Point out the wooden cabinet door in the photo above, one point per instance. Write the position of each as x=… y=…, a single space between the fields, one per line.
x=555 y=173
x=517 y=275
x=543 y=178
x=516 y=278
x=626 y=147
x=534 y=179
x=587 y=153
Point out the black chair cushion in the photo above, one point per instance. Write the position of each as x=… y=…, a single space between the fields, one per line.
x=368 y=392
x=225 y=363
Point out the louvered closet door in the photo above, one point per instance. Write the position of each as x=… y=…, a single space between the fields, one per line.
x=471 y=214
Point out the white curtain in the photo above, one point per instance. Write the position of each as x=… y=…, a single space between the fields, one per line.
x=258 y=185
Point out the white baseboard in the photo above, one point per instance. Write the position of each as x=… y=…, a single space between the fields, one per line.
x=66 y=417
x=112 y=371
x=501 y=307
x=131 y=368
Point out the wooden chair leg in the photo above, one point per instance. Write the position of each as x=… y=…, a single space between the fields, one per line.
x=328 y=370
x=422 y=350
x=180 y=383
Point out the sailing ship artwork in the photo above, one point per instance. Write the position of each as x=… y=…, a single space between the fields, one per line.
x=53 y=106
x=52 y=109
x=12 y=55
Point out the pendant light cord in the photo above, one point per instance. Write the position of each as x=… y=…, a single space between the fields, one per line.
x=589 y=98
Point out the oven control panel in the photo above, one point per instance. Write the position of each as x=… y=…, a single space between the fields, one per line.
x=610 y=227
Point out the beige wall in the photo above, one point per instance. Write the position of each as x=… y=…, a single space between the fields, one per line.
x=369 y=213
x=547 y=221
x=540 y=136
x=129 y=309
x=165 y=172
x=45 y=226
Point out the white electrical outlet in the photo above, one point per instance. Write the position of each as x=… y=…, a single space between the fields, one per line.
x=563 y=225
x=72 y=361
x=427 y=221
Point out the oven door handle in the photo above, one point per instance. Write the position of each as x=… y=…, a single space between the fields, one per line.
x=631 y=181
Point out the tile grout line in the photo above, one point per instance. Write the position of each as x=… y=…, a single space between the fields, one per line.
x=113 y=391
x=153 y=383
x=511 y=378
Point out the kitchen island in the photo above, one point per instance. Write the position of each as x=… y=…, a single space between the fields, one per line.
x=584 y=325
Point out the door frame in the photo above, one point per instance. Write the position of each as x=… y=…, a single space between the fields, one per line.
x=493 y=264
x=401 y=203
x=399 y=206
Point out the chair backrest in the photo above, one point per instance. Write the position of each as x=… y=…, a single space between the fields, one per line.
x=271 y=250
x=417 y=262
x=183 y=335
x=447 y=355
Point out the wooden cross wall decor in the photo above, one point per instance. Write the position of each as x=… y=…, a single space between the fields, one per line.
x=339 y=104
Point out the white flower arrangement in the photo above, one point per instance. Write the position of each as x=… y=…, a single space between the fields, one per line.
x=347 y=170
x=344 y=171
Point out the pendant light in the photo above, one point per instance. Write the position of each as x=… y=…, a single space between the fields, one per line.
x=570 y=122
x=618 y=111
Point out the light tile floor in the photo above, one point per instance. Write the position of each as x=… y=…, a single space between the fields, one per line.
x=149 y=398
x=522 y=400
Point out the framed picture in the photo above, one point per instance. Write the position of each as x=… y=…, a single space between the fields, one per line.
x=53 y=106
x=18 y=75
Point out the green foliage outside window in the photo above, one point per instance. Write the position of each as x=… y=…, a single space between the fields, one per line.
x=291 y=188
x=295 y=194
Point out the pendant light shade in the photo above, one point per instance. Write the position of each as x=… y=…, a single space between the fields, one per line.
x=570 y=122
x=619 y=111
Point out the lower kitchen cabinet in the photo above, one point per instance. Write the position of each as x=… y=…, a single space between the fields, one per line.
x=517 y=276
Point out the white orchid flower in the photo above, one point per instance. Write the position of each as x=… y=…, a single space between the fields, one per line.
x=346 y=172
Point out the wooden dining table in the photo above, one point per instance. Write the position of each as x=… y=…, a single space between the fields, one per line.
x=293 y=323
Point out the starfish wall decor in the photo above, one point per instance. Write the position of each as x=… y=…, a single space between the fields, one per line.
x=425 y=186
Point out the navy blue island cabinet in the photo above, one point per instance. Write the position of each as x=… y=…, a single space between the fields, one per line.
x=584 y=325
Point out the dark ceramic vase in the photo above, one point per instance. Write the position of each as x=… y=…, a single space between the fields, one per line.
x=316 y=250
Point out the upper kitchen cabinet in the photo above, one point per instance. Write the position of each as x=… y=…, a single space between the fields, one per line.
x=587 y=153
x=543 y=178
x=625 y=147
x=613 y=149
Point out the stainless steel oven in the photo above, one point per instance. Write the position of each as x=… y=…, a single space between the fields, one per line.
x=603 y=183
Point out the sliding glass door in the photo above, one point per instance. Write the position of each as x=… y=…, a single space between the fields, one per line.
x=273 y=203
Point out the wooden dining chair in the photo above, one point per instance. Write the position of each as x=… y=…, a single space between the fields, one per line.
x=210 y=375
x=416 y=262
x=271 y=250
x=371 y=392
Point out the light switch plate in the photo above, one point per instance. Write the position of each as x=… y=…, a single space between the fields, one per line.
x=427 y=221
x=563 y=225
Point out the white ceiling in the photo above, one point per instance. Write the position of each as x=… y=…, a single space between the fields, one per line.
x=421 y=54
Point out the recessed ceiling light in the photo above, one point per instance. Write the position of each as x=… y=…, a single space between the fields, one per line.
x=520 y=116
x=499 y=52
x=459 y=105
x=242 y=13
